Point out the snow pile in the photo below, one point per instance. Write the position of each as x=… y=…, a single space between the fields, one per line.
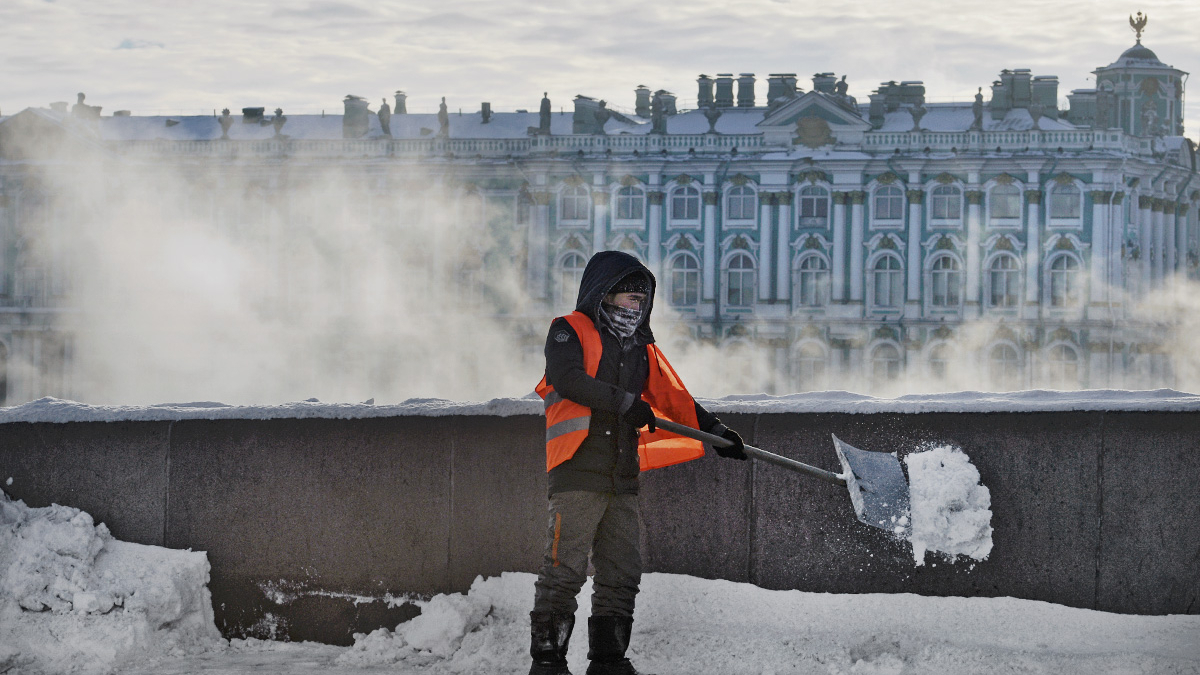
x=73 y=599
x=951 y=510
x=684 y=625
x=437 y=632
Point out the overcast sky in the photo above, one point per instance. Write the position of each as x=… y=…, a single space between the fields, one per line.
x=187 y=57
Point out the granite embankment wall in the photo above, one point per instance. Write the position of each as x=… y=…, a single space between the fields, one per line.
x=309 y=523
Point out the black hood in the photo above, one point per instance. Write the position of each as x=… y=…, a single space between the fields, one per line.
x=603 y=271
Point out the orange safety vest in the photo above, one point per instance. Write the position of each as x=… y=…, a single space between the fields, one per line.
x=567 y=422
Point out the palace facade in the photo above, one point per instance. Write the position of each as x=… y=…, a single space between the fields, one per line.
x=855 y=243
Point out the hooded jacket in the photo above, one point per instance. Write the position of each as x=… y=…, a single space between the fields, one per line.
x=607 y=460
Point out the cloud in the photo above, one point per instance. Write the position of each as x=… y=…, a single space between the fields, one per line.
x=130 y=43
x=324 y=10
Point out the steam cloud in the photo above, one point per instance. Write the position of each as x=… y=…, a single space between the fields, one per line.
x=231 y=285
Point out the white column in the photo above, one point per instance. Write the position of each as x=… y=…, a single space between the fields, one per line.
x=974 y=199
x=708 y=274
x=1098 y=282
x=837 y=273
x=539 y=246
x=1182 y=242
x=856 y=245
x=1146 y=232
x=599 y=221
x=1116 y=239
x=764 y=245
x=1033 y=247
x=783 y=267
x=1170 y=229
x=1159 y=243
x=915 y=200
x=655 y=225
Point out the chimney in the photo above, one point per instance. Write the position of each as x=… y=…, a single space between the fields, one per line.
x=745 y=97
x=584 y=121
x=400 y=108
x=355 y=120
x=642 y=101
x=252 y=115
x=780 y=85
x=1082 y=112
x=1001 y=101
x=668 y=101
x=1021 y=94
x=724 y=90
x=824 y=82
x=485 y=111
x=1045 y=91
x=704 y=94
x=912 y=92
x=122 y=113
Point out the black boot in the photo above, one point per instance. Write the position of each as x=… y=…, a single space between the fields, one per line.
x=608 y=638
x=549 y=635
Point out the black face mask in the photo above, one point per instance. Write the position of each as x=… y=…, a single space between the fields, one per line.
x=622 y=321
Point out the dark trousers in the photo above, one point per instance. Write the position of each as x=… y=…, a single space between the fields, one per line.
x=607 y=525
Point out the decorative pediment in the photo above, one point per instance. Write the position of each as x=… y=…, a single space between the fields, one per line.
x=1064 y=178
x=1005 y=179
x=573 y=181
x=629 y=181
x=684 y=179
x=817 y=106
x=813 y=176
x=739 y=180
x=945 y=178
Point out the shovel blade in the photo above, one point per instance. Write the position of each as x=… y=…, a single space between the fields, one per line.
x=877 y=487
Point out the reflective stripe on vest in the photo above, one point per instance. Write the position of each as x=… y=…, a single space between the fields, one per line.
x=567 y=422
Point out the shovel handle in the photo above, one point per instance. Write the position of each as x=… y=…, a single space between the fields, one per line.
x=751 y=451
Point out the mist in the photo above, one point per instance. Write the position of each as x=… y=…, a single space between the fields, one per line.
x=247 y=284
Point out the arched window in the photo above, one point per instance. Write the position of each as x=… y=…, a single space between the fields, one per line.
x=1066 y=201
x=739 y=281
x=945 y=203
x=889 y=203
x=946 y=282
x=631 y=203
x=741 y=203
x=570 y=274
x=1004 y=281
x=1004 y=368
x=888 y=283
x=885 y=364
x=685 y=204
x=1064 y=282
x=1064 y=368
x=810 y=368
x=812 y=282
x=814 y=206
x=575 y=202
x=939 y=361
x=685 y=280
x=1004 y=202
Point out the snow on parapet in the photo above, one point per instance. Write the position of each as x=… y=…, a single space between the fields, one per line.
x=1158 y=400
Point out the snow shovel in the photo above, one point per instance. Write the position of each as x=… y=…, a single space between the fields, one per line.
x=878 y=490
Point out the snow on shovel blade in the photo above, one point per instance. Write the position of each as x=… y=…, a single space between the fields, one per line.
x=877 y=487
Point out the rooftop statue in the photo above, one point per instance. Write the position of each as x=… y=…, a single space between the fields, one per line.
x=443 y=119
x=1138 y=25
x=226 y=121
x=278 y=121
x=385 y=118
x=544 y=115
x=977 y=109
x=602 y=114
x=842 y=87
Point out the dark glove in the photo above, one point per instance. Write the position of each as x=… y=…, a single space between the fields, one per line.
x=640 y=415
x=735 y=451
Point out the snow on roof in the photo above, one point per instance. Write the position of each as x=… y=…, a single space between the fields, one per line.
x=54 y=410
x=958 y=117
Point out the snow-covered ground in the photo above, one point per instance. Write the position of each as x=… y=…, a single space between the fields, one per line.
x=75 y=600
